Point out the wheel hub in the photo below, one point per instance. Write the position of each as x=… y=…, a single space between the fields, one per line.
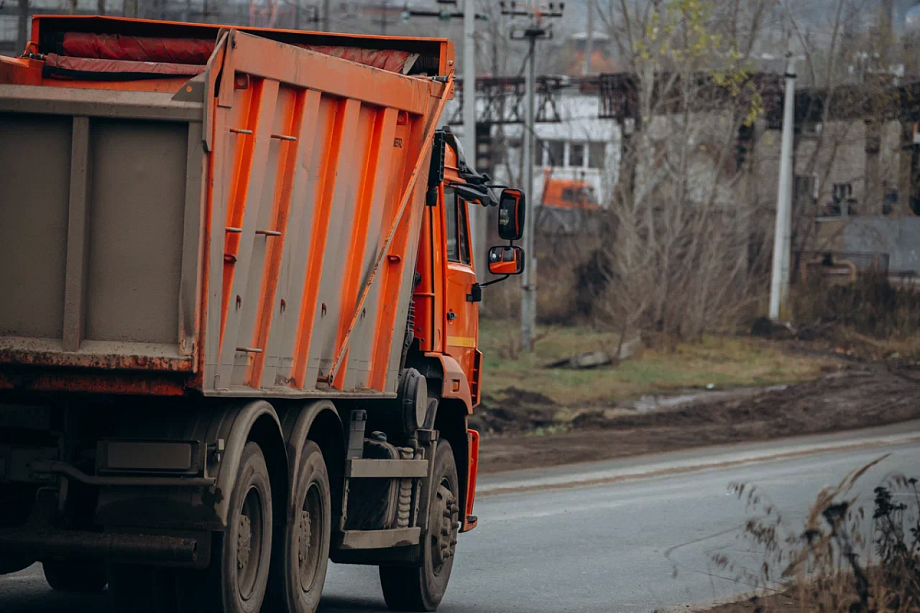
x=304 y=549
x=445 y=533
x=244 y=543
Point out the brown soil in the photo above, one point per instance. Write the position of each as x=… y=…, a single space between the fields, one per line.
x=774 y=603
x=857 y=397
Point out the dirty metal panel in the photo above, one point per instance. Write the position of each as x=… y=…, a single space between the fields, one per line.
x=96 y=103
x=313 y=141
x=78 y=225
x=367 y=240
x=406 y=246
x=356 y=133
x=155 y=456
x=379 y=539
x=192 y=235
x=244 y=213
x=35 y=184
x=261 y=266
x=334 y=76
x=137 y=205
x=278 y=193
x=316 y=171
x=397 y=272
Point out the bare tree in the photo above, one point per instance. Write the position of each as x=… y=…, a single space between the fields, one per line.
x=677 y=260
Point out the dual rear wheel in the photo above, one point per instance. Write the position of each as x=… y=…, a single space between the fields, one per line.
x=243 y=577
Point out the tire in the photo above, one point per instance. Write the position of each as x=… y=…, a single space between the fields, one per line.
x=237 y=579
x=301 y=559
x=86 y=576
x=421 y=587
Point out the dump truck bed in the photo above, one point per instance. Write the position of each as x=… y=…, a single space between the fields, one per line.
x=245 y=227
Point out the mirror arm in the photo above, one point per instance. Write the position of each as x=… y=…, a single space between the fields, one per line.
x=494 y=281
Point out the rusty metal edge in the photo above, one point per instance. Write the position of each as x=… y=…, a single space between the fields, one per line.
x=97 y=103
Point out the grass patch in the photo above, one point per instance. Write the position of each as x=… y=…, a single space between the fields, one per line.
x=717 y=360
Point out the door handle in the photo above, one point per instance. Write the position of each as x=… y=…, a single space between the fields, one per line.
x=451 y=316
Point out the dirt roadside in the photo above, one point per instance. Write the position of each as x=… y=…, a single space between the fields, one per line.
x=782 y=602
x=858 y=396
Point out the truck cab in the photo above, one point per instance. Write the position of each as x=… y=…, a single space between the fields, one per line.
x=447 y=294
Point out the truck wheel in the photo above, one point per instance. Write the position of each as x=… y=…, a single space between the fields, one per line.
x=421 y=587
x=237 y=578
x=75 y=575
x=239 y=571
x=299 y=569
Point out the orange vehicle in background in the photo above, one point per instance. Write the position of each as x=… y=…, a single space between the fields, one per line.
x=568 y=193
x=240 y=332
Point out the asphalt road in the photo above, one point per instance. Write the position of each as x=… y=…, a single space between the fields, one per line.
x=633 y=535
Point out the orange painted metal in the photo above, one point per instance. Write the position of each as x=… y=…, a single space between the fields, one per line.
x=420 y=165
x=568 y=193
x=299 y=120
x=472 y=473
x=455 y=384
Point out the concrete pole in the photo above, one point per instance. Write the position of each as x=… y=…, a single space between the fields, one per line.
x=325 y=16
x=782 y=240
x=22 y=35
x=529 y=278
x=477 y=215
x=589 y=40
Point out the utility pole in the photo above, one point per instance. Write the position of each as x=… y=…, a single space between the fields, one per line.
x=589 y=40
x=326 y=16
x=534 y=30
x=782 y=239
x=477 y=216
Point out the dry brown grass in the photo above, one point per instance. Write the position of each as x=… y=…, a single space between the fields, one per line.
x=841 y=560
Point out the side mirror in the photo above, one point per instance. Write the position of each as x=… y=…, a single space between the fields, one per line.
x=510 y=216
x=506 y=260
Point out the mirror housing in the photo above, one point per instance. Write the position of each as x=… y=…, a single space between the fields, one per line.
x=506 y=260
x=510 y=216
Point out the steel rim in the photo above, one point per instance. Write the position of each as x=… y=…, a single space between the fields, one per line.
x=309 y=538
x=249 y=543
x=443 y=532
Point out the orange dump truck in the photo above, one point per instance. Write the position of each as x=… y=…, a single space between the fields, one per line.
x=239 y=324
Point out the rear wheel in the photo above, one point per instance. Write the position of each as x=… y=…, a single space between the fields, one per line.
x=421 y=587
x=238 y=577
x=75 y=575
x=303 y=555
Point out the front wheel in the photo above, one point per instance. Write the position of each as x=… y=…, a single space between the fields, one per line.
x=421 y=587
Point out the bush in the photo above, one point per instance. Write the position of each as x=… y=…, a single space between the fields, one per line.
x=871 y=306
x=831 y=566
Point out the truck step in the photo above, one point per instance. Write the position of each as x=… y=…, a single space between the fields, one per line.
x=379 y=539
x=387 y=469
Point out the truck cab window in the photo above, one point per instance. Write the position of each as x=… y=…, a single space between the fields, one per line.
x=463 y=237
x=450 y=212
x=458 y=240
